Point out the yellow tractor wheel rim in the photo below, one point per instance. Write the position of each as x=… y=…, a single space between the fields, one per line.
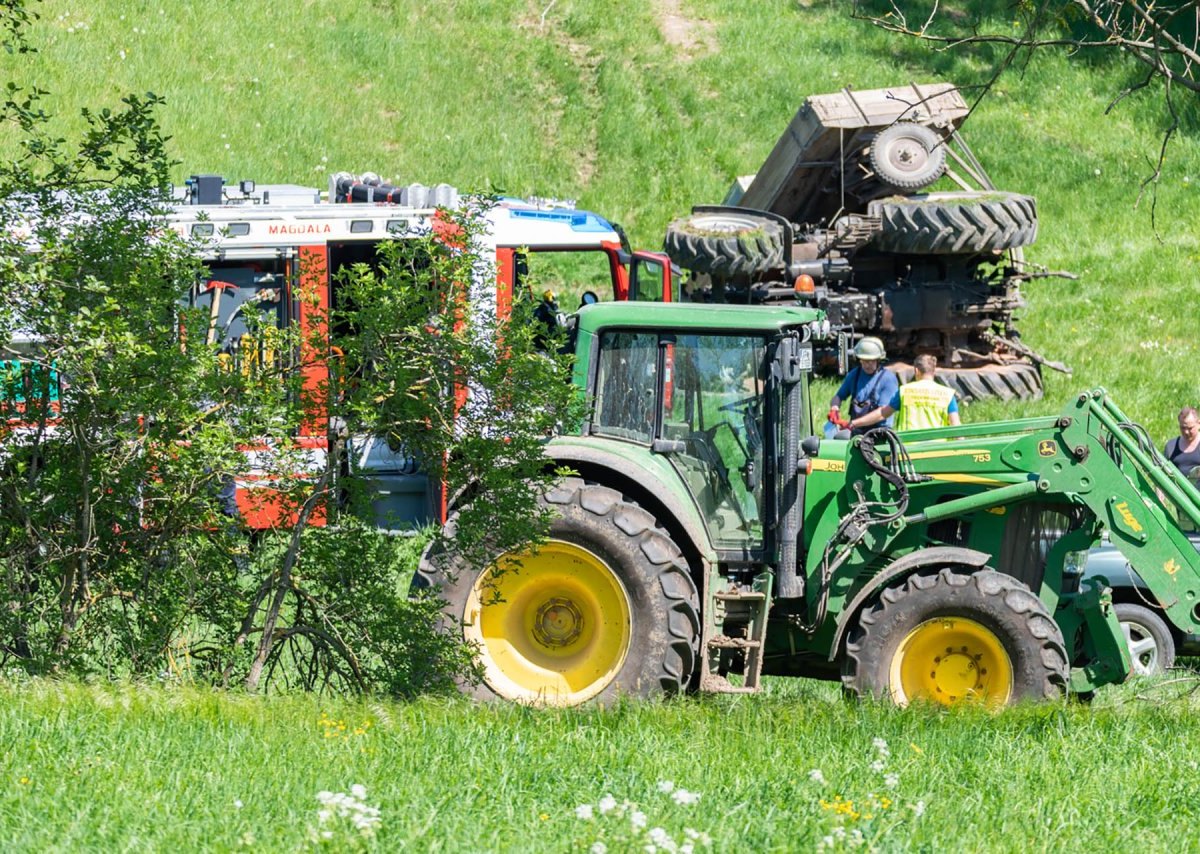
x=951 y=660
x=551 y=628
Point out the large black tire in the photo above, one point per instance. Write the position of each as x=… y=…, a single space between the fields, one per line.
x=955 y=223
x=953 y=637
x=1011 y=381
x=1151 y=645
x=725 y=245
x=908 y=156
x=606 y=608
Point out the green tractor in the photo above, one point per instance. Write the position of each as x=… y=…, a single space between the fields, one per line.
x=707 y=537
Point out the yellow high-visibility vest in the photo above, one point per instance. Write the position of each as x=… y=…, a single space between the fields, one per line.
x=923 y=404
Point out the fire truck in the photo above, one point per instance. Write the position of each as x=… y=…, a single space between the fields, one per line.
x=274 y=253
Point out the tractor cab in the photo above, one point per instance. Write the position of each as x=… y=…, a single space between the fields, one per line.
x=713 y=392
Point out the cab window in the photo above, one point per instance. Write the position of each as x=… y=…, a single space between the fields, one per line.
x=626 y=386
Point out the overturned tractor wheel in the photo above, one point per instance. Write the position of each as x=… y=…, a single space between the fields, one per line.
x=1010 y=381
x=956 y=637
x=725 y=245
x=955 y=223
x=908 y=156
x=605 y=608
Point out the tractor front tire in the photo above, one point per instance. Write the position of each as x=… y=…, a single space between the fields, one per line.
x=956 y=637
x=725 y=245
x=1151 y=646
x=954 y=223
x=605 y=608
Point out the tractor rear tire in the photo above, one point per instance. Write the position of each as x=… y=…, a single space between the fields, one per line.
x=1012 y=381
x=1151 y=645
x=956 y=637
x=725 y=245
x=908 y=156
x=605 y=608
x=955 y=223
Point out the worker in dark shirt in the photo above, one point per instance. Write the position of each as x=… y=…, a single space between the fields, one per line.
x=1184 y=449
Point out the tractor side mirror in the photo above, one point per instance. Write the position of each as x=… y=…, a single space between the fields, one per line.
x=588 y=298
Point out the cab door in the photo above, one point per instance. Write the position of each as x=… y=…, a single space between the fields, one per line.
x=650 y=277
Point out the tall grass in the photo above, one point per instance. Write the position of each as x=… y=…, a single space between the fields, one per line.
x=145 y=768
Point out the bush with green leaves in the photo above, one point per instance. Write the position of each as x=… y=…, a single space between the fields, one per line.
x=115 y=557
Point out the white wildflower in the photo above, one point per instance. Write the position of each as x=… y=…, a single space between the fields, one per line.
x=881 y=746
x=607 y=804
x=637 y=818
x=918 y=809
x=1096 y=172
x=816 y=776
x=327 y=834
x=658 y=836
x=237 y=804
x=665 y=786
x=891 y=780
x=683 y=797
x=878 y=765
x=598 y=848
x=359 y=791
x=584 y=812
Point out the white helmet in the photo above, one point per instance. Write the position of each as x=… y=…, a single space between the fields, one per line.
x=869 y=348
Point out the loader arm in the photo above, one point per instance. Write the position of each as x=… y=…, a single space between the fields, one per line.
x=1143 y=500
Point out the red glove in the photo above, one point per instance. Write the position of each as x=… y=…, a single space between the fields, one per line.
x=835 y=418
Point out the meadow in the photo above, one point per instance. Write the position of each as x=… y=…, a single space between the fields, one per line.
x=637 y=111
x=156 y=768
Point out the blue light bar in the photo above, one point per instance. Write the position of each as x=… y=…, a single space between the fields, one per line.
x=577 y=220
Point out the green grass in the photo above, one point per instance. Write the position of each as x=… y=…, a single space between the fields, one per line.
x=590 y=100
x=142 y=768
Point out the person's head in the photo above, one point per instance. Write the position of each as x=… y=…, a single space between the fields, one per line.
x=1189 y=424
x=925 y=365
x=869 y=352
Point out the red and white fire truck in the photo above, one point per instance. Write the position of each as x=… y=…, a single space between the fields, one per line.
x=274 y=252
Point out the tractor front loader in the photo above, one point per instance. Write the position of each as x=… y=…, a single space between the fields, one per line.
x=708 y=537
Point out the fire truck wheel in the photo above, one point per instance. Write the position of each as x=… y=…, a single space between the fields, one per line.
x=726 y=245
x=956 y=637
x=1150 y=643
x=1011 y=381
x=954 y=223
x=908 y=156
x=605 y=608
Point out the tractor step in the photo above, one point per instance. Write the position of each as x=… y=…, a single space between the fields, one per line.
x=726 y=642
x=742 y=609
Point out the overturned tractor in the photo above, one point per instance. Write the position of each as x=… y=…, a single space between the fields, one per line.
x=841 y=216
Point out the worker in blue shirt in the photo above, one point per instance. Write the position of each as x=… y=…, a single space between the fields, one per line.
x=868 y=386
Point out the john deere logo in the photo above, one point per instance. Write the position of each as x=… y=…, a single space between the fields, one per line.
x=1047 y=448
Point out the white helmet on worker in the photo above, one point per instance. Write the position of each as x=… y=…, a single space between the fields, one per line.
x=869 y=348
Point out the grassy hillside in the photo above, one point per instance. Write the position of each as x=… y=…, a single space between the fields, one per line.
x=639 y=110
